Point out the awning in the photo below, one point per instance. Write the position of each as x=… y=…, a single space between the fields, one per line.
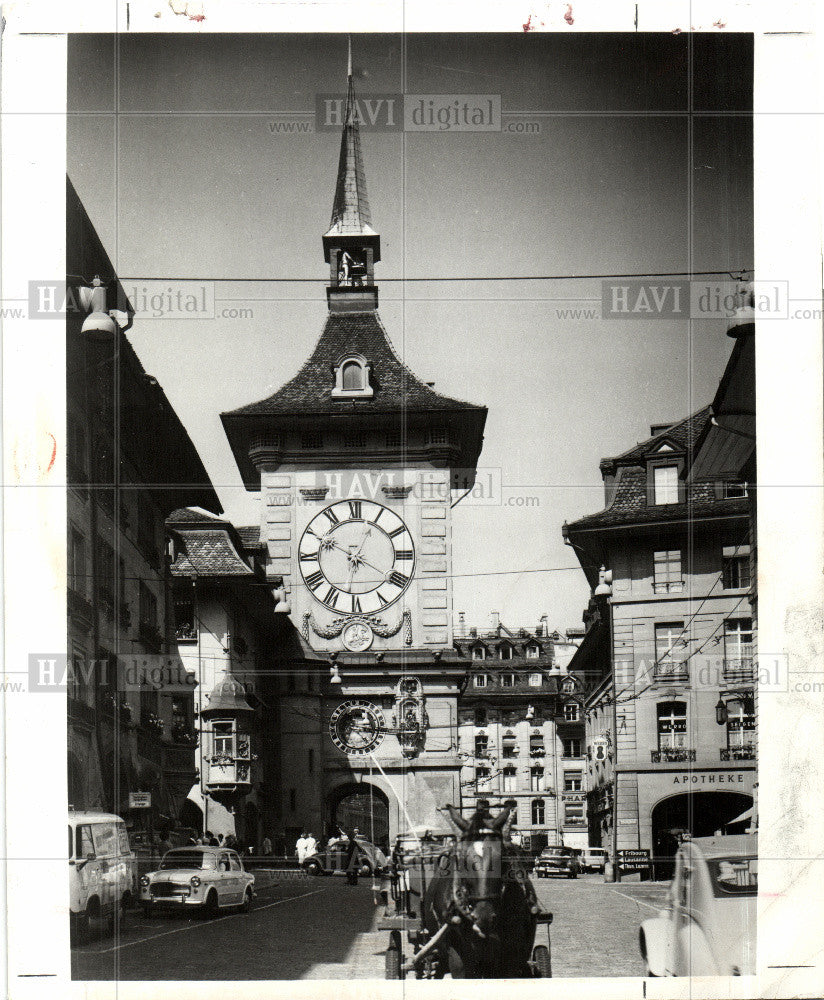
x=747 y=814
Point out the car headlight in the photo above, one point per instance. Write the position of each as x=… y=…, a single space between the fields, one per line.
x=194 y=881
x=144 y=880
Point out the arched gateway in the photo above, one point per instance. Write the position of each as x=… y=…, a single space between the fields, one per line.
x=699 y=814
x=362 y=806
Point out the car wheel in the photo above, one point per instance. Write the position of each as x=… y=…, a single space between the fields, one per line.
x=247 y=901
x=542 y=961
x=210 y=906
x=313 y=868
x=393 y=958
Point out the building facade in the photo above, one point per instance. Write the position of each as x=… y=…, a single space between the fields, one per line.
x=521 y=735
x=668 y=651
x=123 y=734
x=355 y=459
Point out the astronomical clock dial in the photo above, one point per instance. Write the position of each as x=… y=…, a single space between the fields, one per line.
x=357 y=727
x=357 y=557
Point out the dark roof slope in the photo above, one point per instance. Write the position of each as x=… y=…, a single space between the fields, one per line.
x=310 y=391
x=208 y=552
x=250 y=536
x=685 y=433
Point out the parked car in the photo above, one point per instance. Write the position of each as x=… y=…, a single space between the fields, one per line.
x=708 y=927
x=331 y=860
x=102 y=872
x=558 y=861
x=204 y=878
x=594 y=859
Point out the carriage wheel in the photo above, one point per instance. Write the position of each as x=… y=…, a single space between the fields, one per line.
x=542 y=961
x=394 y=957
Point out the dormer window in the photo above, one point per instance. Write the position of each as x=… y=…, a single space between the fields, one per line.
x=505 y=652
x=479 y=653
x=665 y=484
x=352 y=378
x=532 y=652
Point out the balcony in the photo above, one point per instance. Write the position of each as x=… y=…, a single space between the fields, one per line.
x=738 y=668
x=672 y=755
x=746 y=752
x=669 y=671
x=185 y=632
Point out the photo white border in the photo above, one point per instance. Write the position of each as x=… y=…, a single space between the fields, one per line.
x=788 y=245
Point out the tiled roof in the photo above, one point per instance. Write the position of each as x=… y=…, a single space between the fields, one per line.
x=250 y=536
x=396 y=388
x=629 y=504
x=208 y=552
x=187 y=515
x=684 y=433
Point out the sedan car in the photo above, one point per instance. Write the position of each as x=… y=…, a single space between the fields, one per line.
x=207 y=879
x=332 y=859
x=708 y=927
x=558 y=861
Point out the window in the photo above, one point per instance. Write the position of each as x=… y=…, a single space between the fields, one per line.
x=672 y=725
x=481 y=745
x=665 y=484
x=311 y=440
x=352 y=375
x=538 y=812
x=667 y=572
x=569 y=685
x=536 y=745
x=105 y=573
x=223 y=739
x=735 y=567
x=573 y=781
x=505 y=652
x=509 y=746
x=571 y=711
x=738 y=646
x=572 y=747
x=354 y=441
x=481 y=777
x=733 y=490
x=668 y=650
x=85 y=844
x=149 y=702
x=352 y=379
x=536 y=779
x=507 y=680
x=185 y=617
x=480 y=717
x=479 y=653
x=480 y=680
x=77 y=561
x=535 y=680
x=510 y=782
x=437 y=435
x=740 y=724
x=532 y=652
x=148 y=605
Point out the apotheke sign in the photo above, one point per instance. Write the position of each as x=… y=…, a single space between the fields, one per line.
x=723 y=778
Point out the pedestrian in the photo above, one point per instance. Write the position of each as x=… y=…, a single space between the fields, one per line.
x=164 y=844
x=266 y=846
x=300 y=847
x=311 y=846
x=210 y=839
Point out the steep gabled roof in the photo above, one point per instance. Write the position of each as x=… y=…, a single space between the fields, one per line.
x=683 y=434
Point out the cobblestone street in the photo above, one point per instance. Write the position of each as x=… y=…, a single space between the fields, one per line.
x=296 y=931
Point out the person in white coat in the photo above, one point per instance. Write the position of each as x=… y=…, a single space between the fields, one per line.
x=300 y=848
x=310 y=846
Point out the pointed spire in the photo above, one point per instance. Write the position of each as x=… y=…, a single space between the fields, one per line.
x=350 y=210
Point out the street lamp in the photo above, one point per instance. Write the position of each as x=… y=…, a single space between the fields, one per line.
x=721 y=712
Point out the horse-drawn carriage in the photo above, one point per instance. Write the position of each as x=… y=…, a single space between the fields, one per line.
x=466 y=905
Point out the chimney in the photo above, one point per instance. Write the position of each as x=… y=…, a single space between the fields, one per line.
x=496 y=619
x=461 y=624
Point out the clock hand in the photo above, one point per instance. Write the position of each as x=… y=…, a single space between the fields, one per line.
x=334 y=544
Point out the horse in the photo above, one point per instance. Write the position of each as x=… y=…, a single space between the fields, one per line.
x=481 y=906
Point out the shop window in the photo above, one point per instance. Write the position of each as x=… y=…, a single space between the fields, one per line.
x=740 y=724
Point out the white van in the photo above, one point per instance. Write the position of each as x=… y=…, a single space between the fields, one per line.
x=594 y=859
x=102 y=871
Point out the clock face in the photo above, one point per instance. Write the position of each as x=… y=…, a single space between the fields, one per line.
x=357 y=727
x=357 y=557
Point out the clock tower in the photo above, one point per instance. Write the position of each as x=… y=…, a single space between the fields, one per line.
x=356 y=460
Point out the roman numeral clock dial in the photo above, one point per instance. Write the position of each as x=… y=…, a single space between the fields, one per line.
x=357 y=557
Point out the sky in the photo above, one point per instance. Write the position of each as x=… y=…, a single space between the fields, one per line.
x=642 y=164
